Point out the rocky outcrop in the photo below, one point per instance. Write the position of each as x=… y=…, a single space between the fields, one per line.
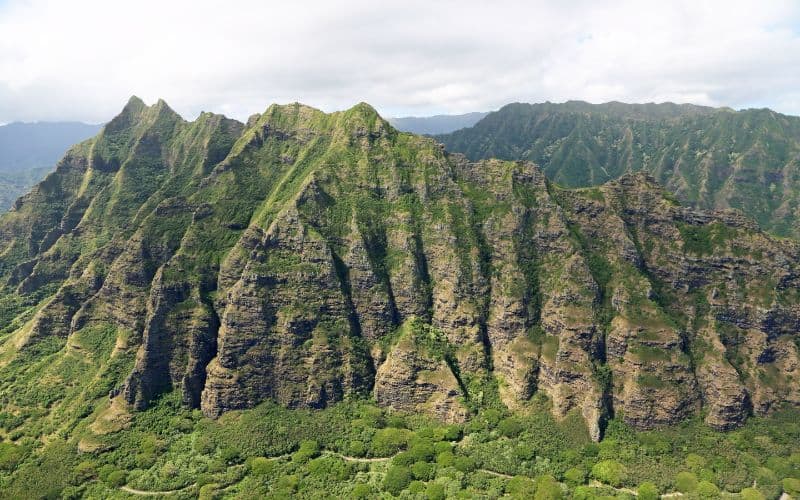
x=413 y=379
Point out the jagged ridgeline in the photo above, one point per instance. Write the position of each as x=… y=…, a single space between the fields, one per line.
x=307 y=258
x=710 y=157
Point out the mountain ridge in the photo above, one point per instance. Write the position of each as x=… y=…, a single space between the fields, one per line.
x=710 y=157
x=308 y=257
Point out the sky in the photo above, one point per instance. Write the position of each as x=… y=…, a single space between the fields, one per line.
x=82 y=59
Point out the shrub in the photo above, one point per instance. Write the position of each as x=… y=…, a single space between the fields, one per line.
x=117 y=478
x=609 y=472
x=752 y=494
x=389 y=441
x=452 y=433
x=442 y=446
x=525 y=452
x=362 y=491
x=10 y=455
x=329 y=468
x=491 y=417
x=261 y=466
x=686 y=482
x=396 y=421
x=84 y=471
x=423 y=471
x=695 y=462
x=509 y=427
x=547 y=488
x=397 y=479
x=464 y=464
x=416 y=487
x=422 y=451
x=707 y=489
x=287 y=483
x=357 y=448
x=521 y=487
x=435 y=491
x=575 y=476
x=208 y=492
x=308 y=450
x=584 y=493
x=403 y=458
x=445 y=459
x=647 y=491
x=230 y=455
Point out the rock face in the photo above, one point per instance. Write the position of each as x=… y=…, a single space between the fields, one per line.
x=309 y=257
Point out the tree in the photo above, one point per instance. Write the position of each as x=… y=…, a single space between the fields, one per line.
x=261 y=466
x=547 y=488
x=464 y=464
x=707 y=489
x=397 y=479
x=509 y=427
x=10 y=455
x=575 y=476
x=686 y=482
x=116 y=478
x=423 y=471
x=422 y=451
x=647 y=491
x=389 y=441
x=308 y=450
x=445 y=459
x=609 y=472
x=751 y=494
x=435 y=491
x=362 y=491
x=695 y=462
x=521 y=487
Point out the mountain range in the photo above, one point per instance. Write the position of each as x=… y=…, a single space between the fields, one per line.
x=709 y=157
x=309 y=260
x=437 y=124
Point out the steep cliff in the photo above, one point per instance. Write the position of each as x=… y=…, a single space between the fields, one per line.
x=307 y=258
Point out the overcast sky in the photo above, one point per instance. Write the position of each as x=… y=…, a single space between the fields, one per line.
x=82 y=59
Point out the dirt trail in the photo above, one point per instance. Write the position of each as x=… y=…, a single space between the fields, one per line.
x=134 y=491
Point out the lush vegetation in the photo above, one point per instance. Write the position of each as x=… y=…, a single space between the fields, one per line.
x=356 y=450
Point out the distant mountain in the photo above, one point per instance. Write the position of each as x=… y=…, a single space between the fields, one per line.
x=439 y=124
x=42 y=144
x=710 y=157
x=29 y=150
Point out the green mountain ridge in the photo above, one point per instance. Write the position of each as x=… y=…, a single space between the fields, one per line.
x=199 y=274
x=710 y=157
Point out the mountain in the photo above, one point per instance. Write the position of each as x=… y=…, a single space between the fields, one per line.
x=709 y=157
x=438 y=124
x=174 y=285
x=29 y=150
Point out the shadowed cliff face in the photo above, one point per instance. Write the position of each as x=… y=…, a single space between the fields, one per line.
x=309 y=257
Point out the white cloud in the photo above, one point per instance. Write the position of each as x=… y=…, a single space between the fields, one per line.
x=82 y=59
